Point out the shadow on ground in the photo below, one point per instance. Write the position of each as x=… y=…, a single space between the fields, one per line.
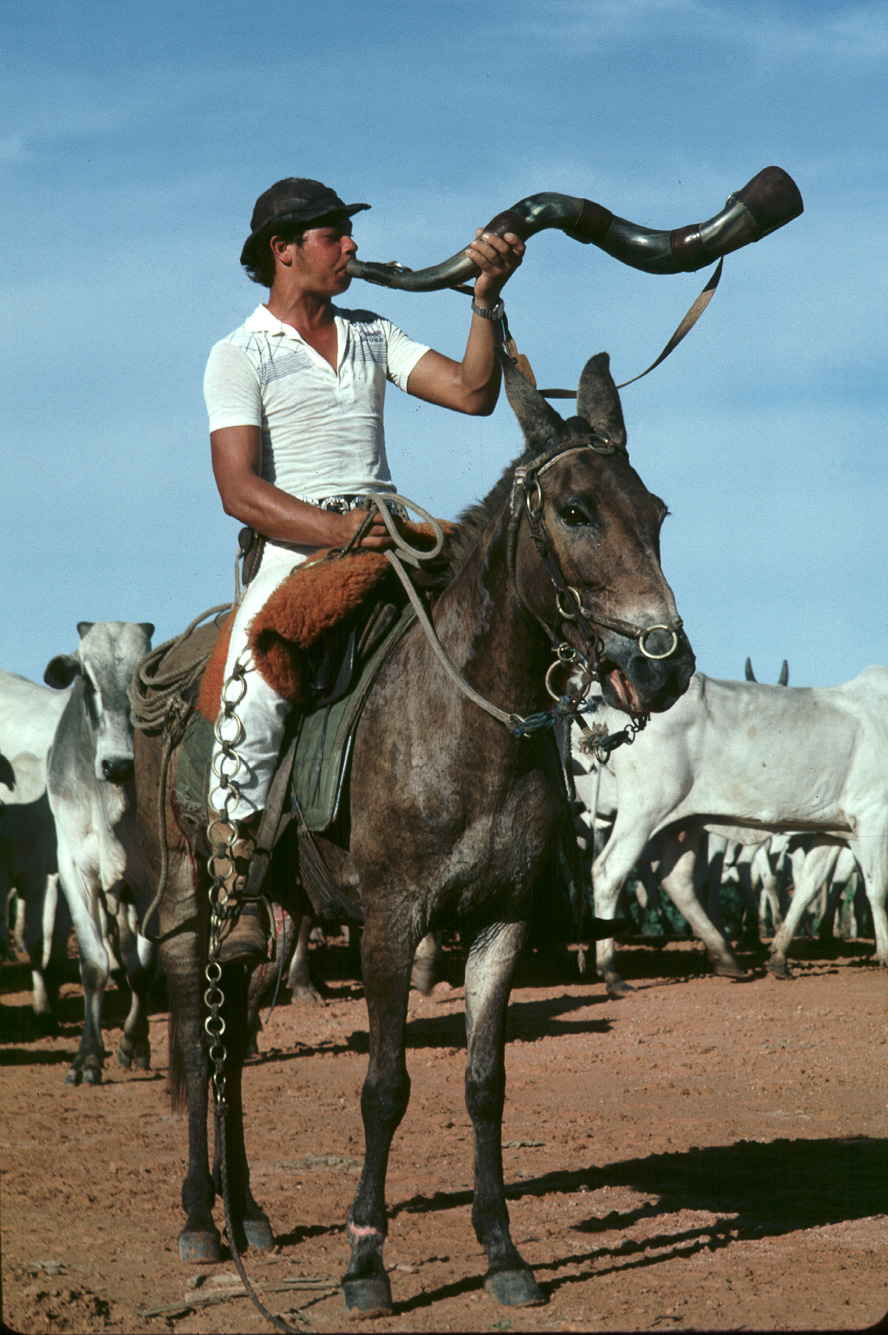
x=760 y=1190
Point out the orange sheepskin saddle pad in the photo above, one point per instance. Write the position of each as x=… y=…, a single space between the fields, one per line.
x=315 y=598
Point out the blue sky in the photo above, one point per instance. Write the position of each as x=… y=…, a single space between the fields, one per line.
x=134 y=139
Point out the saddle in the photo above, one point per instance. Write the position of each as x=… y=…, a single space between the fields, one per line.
x=320 y=641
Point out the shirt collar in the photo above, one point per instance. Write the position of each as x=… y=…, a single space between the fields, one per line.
x=263 y=321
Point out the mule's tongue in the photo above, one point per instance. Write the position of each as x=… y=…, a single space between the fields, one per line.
x=625 y=691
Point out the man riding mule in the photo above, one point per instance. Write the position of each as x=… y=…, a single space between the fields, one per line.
x=295 y=402
x=454 y=805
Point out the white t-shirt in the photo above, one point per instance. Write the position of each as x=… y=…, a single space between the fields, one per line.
x=322 y=430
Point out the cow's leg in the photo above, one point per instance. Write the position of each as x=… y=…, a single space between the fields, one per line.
x=872 y=858
x=770 y=896
x=423 y=975
x=677 y=879
x=95 y=967
x=386 y=961
x=138 y=955
x=813 y=869
x=489 y=970
x=302 y=990
x=248 y=1221
x=609 y=873
x=41 y=933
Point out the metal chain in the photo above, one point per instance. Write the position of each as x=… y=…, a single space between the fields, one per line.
x=223 y=796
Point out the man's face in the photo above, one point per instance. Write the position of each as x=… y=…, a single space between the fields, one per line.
x=321 y=259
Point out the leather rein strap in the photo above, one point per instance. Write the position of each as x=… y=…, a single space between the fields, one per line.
x=685 y=326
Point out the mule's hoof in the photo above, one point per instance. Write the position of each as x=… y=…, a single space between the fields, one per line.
x=617 y=987
x=200 y=1246
x=258 y=1234
x=368 y=1297
x=74 y=1076
x=779 y=969
x=514 y=1288
x=92 y=1075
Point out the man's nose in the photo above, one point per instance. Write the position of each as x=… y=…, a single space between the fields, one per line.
x=349 y=245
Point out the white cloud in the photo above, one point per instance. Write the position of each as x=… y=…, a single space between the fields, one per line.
x=770 y=31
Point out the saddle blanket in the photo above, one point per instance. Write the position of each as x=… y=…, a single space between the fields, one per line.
x=317 y=598
x=323 y=748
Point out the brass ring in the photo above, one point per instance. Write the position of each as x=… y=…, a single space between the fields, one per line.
x=669 y=652
x=536 y=509
x=569 y=616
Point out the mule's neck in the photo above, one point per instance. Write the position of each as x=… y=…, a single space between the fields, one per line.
x=491 y=637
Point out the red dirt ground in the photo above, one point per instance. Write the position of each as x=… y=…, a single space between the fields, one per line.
x=701 y=1155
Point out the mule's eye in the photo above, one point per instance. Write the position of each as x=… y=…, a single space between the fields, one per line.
x=573 y=516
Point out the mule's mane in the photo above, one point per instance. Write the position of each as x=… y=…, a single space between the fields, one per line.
x=477 y=518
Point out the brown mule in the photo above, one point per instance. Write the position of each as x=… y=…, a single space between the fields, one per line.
x=451 y=814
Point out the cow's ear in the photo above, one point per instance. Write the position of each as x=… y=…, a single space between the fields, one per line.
x=61 y=671
x=83 y=627
x=148 y=628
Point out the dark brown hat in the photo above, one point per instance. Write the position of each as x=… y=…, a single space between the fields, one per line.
x=295 y=199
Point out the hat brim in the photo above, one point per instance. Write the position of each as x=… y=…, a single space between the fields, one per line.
x=295 y=215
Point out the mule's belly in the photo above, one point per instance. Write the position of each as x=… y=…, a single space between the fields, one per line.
x=461 y=846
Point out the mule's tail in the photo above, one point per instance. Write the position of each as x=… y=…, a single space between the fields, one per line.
x=176 y=1079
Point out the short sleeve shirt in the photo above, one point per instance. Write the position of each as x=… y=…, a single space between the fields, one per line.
x=322 y=429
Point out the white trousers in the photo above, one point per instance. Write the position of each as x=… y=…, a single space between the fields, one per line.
x=261 y=712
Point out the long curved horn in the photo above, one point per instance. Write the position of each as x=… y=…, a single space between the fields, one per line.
x=765 y=203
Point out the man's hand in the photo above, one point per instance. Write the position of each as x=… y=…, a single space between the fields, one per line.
x=497 y=258
x=377 y=536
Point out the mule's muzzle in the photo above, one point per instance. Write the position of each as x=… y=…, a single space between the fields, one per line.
x=649 y=680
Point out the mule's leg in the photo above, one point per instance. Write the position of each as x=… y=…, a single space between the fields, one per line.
x=386 y=962
x=489 y=970
x=248 y=1221
x=182 y=959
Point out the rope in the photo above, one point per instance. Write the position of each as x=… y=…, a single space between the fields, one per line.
x=157 y=704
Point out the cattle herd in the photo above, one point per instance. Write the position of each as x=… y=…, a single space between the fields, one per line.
x=779 y=790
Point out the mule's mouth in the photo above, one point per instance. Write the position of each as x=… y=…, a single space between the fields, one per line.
x=619 y=690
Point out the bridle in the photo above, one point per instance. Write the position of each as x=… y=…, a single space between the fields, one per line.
x=527 y=503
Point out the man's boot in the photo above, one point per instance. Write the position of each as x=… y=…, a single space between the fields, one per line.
x=243 y=938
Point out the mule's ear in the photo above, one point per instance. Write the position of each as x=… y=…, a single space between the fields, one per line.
x=748 y=672
x=61 y=671
x=539 y=421
x=598 y=401
x=148 y=628
x=83 y=627
x=783 y=679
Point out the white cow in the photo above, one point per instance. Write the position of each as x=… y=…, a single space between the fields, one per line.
x=747 y=760
x=29 y=715
x=89 y=781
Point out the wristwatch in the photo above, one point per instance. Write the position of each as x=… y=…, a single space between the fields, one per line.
x=489 y=312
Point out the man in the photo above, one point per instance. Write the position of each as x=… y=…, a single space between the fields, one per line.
x=295 y=401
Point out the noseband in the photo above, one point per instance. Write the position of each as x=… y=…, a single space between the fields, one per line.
x=527 y=502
